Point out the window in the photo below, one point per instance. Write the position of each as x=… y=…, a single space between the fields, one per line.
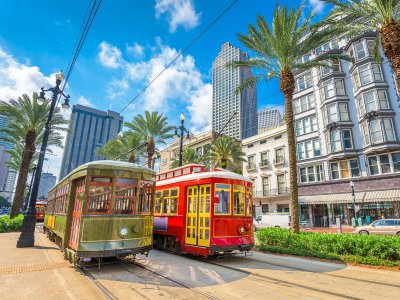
x=281 y=184
x=366 y=74
x=389 y=130
x=264 y=159
x=311 y=174
x=376 y=133
x=308 y=149
x=345 y=169
x=163 y=161
x=238 y=200
x=306 y=125
x=250 y=163
x=279 y=155
x=379 y=129
x=303 y=82
x=145 y=196
x=249 y=201
x=303 y=104
x=359 y=49
x=166 y=201
x=264 y=208
x=223 y=199
x=335 y=67
x=331 y=88
x=100 y=191
x=125 y=196
x=384 y=164
x=265 y=186
x=339 y=140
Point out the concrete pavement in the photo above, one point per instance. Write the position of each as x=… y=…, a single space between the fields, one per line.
x=40 y=272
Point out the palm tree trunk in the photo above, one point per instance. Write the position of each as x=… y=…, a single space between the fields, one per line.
x=27 y=155
x=150 y=152
x=390 y=39
x=287 y=87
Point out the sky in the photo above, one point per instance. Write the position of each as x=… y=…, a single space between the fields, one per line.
x=129 y=43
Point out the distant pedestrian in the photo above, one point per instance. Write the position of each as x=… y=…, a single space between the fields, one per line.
x=383 y=217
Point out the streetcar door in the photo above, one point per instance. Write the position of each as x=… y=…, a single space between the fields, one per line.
x=191 y=215
x=198 y=215
x=76 y=213
x=203 y=231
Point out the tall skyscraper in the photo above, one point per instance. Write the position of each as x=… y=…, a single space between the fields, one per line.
x=89 y=129
x=225 y=100
x=268 y=118
x=3 y=124
x=47 y=181
x=8 y=176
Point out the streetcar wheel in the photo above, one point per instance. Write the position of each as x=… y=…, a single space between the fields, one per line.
x=398 y=234
x=178 y=248
x=364 y=232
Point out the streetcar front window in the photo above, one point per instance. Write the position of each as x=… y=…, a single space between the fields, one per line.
x=157 y=205
x=249 y=201
x=125 y=197
x=100 y=191
x=238 y=200
x=222 y=204
x=145 y=196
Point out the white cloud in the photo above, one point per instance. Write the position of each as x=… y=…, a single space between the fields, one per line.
x=180 y=85
x=136 y=50
x=84 y=101
x=317 y=5
x=178 y=13
x=109 y=55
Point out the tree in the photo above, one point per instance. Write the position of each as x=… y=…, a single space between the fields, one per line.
x=28 y=119
x=125 y=146
x=189 y=156
x=153 y=128
x=353 y=17
x=226 y=152
x=279 y=49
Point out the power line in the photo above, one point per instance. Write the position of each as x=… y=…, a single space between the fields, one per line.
x=181 y=52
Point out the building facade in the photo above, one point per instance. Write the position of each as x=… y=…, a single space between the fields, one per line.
x=268 y=118
x=267 y=167
x=347 y=128
x=7 y=176
x=200 y=143
x=47 y=181
x=89 y=129
x=225 y=100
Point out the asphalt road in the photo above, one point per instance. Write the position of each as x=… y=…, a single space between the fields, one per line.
x=261 y=276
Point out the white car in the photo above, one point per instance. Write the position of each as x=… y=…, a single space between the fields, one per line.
x=281 y=220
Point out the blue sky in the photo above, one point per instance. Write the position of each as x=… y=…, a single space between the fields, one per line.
x=128 y=45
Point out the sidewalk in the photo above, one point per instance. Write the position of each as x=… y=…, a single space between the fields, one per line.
x=345 y=229
x=40 y=272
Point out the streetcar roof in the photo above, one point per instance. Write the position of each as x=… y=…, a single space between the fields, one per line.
x=202 y=175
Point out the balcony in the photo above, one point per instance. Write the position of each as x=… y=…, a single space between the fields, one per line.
x=264 y=164
x=279 y=161
x=272 y=193
x=251 y=167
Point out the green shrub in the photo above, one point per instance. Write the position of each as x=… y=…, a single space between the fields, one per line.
x=8 y=225
x=374 y=250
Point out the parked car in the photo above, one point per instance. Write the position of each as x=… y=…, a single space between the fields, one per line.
x=272 y=220
x=381 y=227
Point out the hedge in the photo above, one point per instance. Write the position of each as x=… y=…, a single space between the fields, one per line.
x=8 y=225
x=366 y=249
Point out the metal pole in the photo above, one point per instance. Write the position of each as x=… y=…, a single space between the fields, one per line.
x=30 y=188
x=354 y=205
x=182 y=128
x=27 y=237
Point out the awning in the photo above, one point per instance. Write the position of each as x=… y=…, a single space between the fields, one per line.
x=368 y=196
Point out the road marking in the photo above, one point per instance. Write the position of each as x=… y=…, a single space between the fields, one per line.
x=33 y=268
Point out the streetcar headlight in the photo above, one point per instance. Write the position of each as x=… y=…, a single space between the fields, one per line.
x=241 y=229
x=123 y=231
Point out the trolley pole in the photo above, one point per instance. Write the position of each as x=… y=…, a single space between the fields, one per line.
x=27 y=237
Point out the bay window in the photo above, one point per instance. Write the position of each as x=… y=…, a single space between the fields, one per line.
x=378 y=130
x=384 y=163
x=366 y=74
x=339 y=139
x=345 y=169
x=331 y=88
x=335 y=112
x=335 y=67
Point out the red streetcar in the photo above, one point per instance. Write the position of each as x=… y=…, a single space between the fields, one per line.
x=40 y=210
x=203 y=213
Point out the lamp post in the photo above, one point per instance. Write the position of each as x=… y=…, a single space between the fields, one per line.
x=33 y=170
x=353 y=196
x=182 y=131
x=27 y=237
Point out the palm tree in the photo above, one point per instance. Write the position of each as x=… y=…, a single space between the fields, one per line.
x=353 y=17
x=28 y=119
x=226 y=152
x=279 y=50
x=125 y=146
x=153 y=128
x=189 y=156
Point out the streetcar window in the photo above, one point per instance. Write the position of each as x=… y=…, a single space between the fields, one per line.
x=99 y=199
x=101 y=179
x=249 y=201
x=145 y=197
x=238 y=200
x=173 y=206
x=222 y=204
x=178 y=173
x=186 y=171
x=125 y=196
x=157 y=205
x=170 y=175
x=162 y=176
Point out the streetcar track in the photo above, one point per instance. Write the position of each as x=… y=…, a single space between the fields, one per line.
x=105 y=291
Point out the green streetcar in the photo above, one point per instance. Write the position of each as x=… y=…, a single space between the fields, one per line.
x=102 y=209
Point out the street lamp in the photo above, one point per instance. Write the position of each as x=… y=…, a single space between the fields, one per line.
x=183 y=130
x=32 y=171
x=27 y=237
x=354 y=202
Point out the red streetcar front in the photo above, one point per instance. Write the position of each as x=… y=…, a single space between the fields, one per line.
x=203 y=213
